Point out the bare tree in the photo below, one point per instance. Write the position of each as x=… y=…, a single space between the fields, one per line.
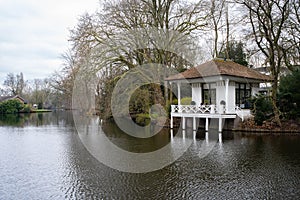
x=224 y=24
x=14 y=83
x=269 y=22
x=109 y=41
x=291 y=40
x=217 y=11
x=62 y=82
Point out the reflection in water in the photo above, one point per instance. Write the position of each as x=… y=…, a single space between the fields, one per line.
x=43 y=158
x=220 y=138
x=61 y=118
x=126 y=153
x=13 y=119
x=133 y=144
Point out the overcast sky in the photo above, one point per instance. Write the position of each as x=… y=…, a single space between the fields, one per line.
x=34 y=33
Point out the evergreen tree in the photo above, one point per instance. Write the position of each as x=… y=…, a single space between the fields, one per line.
x=289 y=95
x=236 y=52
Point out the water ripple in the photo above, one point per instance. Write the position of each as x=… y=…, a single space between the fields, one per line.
x=51 y=163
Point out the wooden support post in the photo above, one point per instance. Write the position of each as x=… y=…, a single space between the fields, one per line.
x=220 y=124
x=194 y=123
x=171 y=122
x=206 y=124
x=183 y=122
x=220 y=137
x=206 y=137
x=178 y=91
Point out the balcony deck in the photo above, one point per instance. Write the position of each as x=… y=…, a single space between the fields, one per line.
x=207 y=112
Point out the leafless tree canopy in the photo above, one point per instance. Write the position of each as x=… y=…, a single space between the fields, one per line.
x=273 y=25
x=14 y=84
x=124 y=34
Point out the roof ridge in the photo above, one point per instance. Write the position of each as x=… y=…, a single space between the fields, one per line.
x=216 y=67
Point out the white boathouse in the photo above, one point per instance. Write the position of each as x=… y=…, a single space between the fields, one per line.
x=221 y=89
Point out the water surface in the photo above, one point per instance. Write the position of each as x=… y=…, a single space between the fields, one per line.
x=42 y=157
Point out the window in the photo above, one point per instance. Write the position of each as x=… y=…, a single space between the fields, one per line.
x=209 y=96
x=243 y=94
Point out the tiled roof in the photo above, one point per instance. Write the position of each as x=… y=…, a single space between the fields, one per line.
x=218 y=67
x=5 y=98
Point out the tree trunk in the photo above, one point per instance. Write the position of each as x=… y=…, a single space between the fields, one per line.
x=274 y=102
x=227 y=31
x=157 y=94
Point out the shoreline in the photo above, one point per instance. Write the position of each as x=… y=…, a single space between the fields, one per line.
x=266 y=132
x=249 y=131
x=288 y=128
x=40 y=111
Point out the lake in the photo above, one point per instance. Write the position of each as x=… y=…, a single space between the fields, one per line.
x=42 y=156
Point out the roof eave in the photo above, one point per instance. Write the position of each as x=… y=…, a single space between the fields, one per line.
x=221 y=77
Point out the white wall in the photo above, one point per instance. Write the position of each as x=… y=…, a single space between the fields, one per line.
x=254 y=91
x=221 y=90
x=197 y=95
x=231 y=98
x=220 y=94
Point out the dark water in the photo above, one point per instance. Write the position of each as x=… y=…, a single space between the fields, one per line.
x=42 y=157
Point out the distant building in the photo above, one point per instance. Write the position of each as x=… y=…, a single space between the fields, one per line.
x=6 y=98
x=266 y=88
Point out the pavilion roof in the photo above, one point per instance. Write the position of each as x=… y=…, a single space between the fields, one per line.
x=5 y=98
x=217 y=67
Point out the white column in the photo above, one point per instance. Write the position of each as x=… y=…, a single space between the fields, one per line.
x=183 y=122
x=206 y=137
x=194 y=123
x=220 y=124
x=220 y=137
x=171 y=122
x=194 y=136
x=178 y=89
x=183 y=135
x=206 y=124
x=226 y=94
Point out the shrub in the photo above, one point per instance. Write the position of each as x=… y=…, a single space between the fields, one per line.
x=40 y=105
x=175 y=102
x=262 y=109
x=139 y=101
x=26 y=109
x=186 y=101
x=142 y=119
x=289 y=95
x=11 y=106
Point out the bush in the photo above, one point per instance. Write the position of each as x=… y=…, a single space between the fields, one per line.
x=289 y=95
x=262 y=109
x=140 y=101
x=142 y=119
x=186 y=101
x=26 y=109
x=11 y=106
x=175 y=102
x=40 y=105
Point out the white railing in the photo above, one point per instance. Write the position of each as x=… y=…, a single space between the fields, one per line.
x=193 y=109
x=202 y=109
x=242 y=113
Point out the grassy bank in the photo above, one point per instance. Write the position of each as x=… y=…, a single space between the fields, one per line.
x=40 y=111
